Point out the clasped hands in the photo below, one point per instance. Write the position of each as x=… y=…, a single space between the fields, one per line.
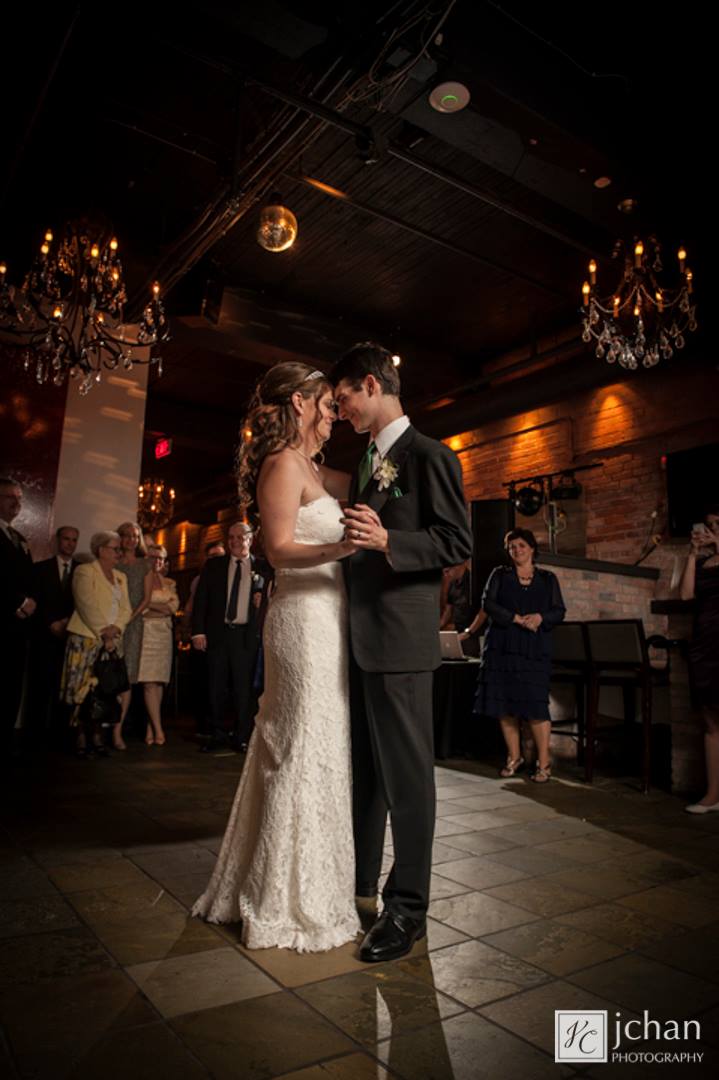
x=363 y=528
x=529 y=622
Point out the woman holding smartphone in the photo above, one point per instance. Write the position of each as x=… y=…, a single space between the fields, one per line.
x=700 y=582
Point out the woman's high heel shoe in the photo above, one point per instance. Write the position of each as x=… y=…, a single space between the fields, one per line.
x=160 y=740
x=512 y=767
x=149 y=739
x=542 y=774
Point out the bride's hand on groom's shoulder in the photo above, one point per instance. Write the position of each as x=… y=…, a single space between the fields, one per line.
x=364 y=528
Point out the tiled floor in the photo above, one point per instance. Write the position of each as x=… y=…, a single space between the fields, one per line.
x=542 y=898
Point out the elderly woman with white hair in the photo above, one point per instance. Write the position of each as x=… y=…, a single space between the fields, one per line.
x=102 y=611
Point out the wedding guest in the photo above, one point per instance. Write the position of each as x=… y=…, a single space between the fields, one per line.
x=455 y=604
x=700 y=582
x=102 y=611
x=225 y=626
x=199 y=678
x=523 y=603
x=17 y=609
x=158 y=640
x=133 y=564
x=53 y=590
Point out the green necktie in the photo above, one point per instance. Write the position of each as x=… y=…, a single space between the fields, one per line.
x=365 y=468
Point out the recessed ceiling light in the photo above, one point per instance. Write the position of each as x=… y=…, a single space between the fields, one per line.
x=602 y=182
x=449 y=97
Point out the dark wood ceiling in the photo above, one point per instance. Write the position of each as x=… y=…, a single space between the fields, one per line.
x=464 y=240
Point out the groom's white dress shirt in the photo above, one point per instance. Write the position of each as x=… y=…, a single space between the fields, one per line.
x=387 y=437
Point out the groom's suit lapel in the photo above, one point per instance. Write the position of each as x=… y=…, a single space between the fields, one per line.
x=371 y=495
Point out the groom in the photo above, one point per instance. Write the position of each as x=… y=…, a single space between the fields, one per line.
x=407 y=516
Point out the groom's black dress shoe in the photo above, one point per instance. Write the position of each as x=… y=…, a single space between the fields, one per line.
x=391 y=936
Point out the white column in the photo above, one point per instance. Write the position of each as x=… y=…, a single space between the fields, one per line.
x=101 y=453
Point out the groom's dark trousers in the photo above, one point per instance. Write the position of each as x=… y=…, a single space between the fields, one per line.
x=394 y=624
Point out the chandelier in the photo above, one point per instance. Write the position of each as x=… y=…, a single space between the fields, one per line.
x=68 y=316
x=155 y=505
x=642 y=321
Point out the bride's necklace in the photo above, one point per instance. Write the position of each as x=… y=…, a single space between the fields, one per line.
x=307 y=457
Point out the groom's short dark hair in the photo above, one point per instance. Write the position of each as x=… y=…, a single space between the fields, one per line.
x=368 y=358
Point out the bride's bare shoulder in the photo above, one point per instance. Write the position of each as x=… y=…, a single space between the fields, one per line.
x=281 y=468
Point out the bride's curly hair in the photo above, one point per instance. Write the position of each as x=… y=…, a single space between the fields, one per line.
x=270 y=423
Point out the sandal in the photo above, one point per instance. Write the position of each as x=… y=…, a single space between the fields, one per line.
x=149 y=740
x=160 y=740
x=542 y=774
x=512 y=767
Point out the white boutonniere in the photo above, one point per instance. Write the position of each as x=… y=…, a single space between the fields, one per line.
x=257 y=580
x=385 y=474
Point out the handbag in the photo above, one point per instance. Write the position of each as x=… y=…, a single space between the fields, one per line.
x=111 y=674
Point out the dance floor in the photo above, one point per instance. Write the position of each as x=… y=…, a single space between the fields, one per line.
x=543 y=898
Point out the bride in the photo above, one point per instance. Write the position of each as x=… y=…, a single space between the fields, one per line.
x=286 y=865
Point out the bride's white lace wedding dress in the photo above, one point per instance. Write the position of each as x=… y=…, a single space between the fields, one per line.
x=286 y=865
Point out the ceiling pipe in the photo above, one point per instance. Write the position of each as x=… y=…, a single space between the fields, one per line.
x=361 y=131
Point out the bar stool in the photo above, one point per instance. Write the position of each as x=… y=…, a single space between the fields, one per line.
x=571 y=667
x=618 y=657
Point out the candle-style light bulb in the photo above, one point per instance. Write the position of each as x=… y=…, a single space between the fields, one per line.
x=113 y=244
x=156 y=288
x=593 y=272
x=615 y=303
x=48 y=236
x=586 y=288
x=94 y=252
x=682 y=256
x=638 y=252
x=3 y=268
x=690 y=277
x=44 y=248
x=660 y=301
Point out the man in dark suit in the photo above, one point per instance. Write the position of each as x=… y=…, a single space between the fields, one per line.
x=17 y=609
x=53 y=592
x=225 y=626
x=408 y=517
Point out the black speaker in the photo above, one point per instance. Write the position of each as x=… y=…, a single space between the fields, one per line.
x=491 y=521
x=691 y=486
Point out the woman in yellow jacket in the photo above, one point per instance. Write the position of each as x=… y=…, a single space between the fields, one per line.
x=102 y=611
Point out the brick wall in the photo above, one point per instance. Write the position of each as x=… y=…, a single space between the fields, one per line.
x=591 y=595
x=628 y=425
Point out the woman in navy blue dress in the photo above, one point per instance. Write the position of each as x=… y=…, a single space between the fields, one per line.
x=523 y=603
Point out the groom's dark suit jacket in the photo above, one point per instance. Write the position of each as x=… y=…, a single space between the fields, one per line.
x=394 y=609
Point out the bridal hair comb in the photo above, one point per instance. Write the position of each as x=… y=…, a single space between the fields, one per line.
x=316 y=375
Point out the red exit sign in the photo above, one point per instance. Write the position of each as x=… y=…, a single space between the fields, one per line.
x=163 y=447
